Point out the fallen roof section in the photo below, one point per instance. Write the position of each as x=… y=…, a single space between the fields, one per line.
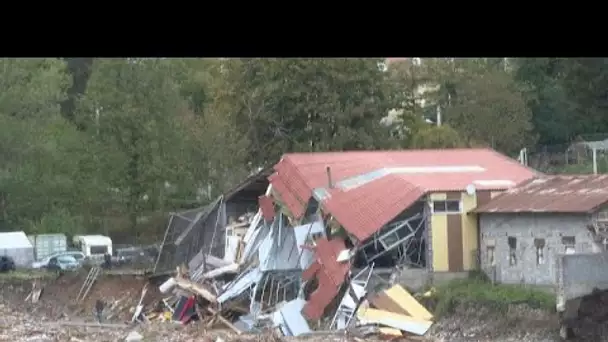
x=552 y=194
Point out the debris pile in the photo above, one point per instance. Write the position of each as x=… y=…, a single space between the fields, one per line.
x=299 y=275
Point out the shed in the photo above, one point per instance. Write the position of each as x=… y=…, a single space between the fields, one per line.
x=48 y=244
x=17 y=246
x=95 y=244
x=524 y=229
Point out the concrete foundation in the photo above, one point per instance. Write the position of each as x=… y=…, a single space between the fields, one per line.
x=439 y=278
x=578 y=276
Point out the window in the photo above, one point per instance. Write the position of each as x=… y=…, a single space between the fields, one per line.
x=452 y=206
x=540 y=251
x=512 y=241
x=490 y=252
x=569 y=243
x=99 y=249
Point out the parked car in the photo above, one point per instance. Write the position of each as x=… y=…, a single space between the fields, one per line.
x=79 y=256
x=135 y=256
x=63 y=263
x=6 y=264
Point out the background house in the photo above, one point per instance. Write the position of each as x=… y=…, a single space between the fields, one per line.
x=524 y=229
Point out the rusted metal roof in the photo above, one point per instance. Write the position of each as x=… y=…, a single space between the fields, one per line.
x=552 y=194
x=369 y=188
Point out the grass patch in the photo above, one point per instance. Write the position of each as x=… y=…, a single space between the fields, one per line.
x=475 y=292
x=27 y=275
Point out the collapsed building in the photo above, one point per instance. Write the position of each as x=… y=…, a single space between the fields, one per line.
x=193 y=233
x=328 y=225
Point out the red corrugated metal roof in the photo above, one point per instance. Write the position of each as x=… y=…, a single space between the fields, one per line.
x=370 y=207
x=286 y=195
x=408 y=174
x=320 y=299
x=566 y=194
x=330 y=275
x=267 y=206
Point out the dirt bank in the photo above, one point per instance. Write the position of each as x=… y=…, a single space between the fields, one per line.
x=121 y=293
x=465 y=323
x=479 y=323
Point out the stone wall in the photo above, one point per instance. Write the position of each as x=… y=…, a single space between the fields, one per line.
x=525 y=229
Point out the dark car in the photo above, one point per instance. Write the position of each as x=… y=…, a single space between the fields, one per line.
x=7 y=264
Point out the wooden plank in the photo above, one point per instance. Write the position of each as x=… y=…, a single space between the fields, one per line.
x=408 y=303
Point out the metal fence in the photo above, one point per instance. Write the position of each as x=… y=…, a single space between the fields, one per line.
x=576 y=157
x=190 y=233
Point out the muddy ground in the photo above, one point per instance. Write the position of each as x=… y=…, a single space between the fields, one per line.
x=25 y=321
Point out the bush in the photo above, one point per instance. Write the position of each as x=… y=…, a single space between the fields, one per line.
x=478 y=292
x=437 y=137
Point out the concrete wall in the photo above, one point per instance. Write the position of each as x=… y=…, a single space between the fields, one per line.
x=496 y=228
x=579 y=274
x=412 y=278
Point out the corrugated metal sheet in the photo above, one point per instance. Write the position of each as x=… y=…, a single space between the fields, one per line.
x=330 y=275
x=565 y=194
x=267 y=206
x=49 y=244
x=372 y=187
x=370 y=207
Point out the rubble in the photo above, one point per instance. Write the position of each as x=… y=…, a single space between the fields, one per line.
x=287 y=269
x=294 y=274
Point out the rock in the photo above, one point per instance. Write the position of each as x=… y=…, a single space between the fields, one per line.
x=134 y=336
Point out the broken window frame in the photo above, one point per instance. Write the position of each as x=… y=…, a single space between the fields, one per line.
x=512 y=242
x=98 y=249
x=569 y=243
x=491 y=256
x=404 y=242
x=443 y=207
x=539 y=245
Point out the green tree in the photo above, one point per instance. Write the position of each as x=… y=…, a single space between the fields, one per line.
x=585 y=81
x=437 y=137
x=552 y=108
x=286 y=105
x=39 y=150
x=32 y=87
x=407 y=82
x=159 y=146
x=480 y=99
x=133 y=108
